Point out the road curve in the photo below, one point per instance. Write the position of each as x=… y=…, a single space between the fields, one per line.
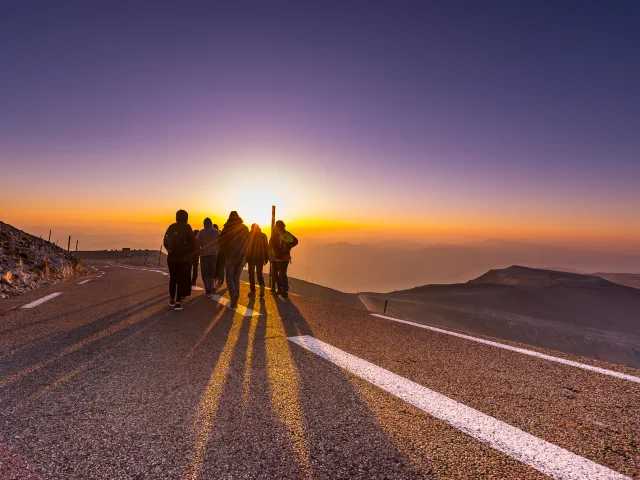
x=104 y=380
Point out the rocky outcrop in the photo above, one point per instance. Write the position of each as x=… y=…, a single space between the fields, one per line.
x=28 y=262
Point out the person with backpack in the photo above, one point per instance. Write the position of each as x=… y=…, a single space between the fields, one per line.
x=180 y=244
x=196 y=259
x=281 y=243
x=257 y=257
x=207 y=241
x=233 y=243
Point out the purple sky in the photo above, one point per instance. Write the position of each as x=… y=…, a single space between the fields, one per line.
x=499 y=113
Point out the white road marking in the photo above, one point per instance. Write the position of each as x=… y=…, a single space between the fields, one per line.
x=247 y=312
x=545 y=457
x=40 y=301
x=84 y=281
x=524 y=351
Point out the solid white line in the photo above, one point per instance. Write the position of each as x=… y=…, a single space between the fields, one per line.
x=247 y=312
x=545 y=457
x=40 y=301
x=84 y=281
x=524 y=351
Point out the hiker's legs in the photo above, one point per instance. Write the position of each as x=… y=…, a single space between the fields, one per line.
x=283 y=279
x=220 y=268
x=182 y=278
x=230 y=268
x=208 y=268
x=259 y=268
x=194 y=278
x=237 y=271
x=252 y=277
x=173 y=279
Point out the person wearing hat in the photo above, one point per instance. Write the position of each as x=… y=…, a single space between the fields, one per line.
x=281 y=243
x=233 y=243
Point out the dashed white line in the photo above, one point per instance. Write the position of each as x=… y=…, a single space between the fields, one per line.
x=247 y=312
x=40 y=301
x=84 y=281
x=523 y=351
x=545 y=457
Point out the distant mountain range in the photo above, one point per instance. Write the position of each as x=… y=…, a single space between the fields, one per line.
x=387 y=266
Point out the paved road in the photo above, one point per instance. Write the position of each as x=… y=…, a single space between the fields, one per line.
x=103 y=380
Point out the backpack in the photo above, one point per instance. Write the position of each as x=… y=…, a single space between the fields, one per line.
x=177 y=244
x=287 y=242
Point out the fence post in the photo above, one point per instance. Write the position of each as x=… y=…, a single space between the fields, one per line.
x=49 y=236
x=69 y=244
x=385 y=307
x=159 y=256
x=76 y=247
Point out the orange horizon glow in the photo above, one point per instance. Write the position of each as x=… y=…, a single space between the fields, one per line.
x=576 y=233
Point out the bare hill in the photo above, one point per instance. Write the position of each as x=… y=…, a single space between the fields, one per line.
x=27 y=262
x=582 y=314
x=629 y=279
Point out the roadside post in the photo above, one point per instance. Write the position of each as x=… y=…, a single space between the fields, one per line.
x=159 y=255
x=49 y=236
x=69 y=244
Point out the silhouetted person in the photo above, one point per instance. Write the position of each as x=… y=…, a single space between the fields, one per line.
x=196 y=259
x=281 y=243
x=233 y=243
x=257 y=257
x=207 y=241
x=219 y=275
x=180 y=244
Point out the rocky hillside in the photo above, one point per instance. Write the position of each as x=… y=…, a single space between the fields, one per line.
x=28 y=262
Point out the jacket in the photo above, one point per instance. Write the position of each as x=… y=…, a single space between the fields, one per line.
x=258 y=249
x=281 y=243
x=207 y=241
x=233 y=241
x=180 y=243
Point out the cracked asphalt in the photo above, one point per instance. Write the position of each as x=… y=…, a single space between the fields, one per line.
x=105 y=381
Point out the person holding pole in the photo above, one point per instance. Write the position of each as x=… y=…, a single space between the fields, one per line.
x=179 y=242
x=281 y=243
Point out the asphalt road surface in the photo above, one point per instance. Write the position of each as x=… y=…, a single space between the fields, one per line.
x=99 y=378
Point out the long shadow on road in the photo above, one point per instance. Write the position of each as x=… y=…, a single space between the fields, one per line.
x=343 y=434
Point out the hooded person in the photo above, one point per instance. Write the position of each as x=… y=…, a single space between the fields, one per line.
x=233 y=243
x=281 y=243
x=179 y=242
x=207 y=241
x=257 y=258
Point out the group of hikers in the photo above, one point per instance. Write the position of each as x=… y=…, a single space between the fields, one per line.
x=223 y=254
